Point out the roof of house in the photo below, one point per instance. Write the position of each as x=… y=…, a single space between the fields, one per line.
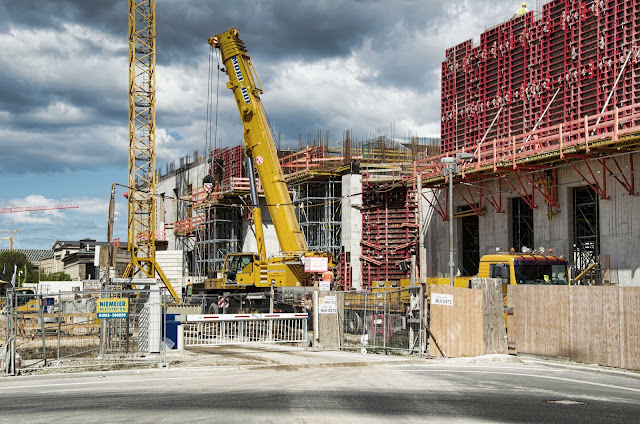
x=77 y=244
x=34 y=255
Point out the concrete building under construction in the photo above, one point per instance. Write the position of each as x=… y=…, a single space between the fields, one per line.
x=548 y=104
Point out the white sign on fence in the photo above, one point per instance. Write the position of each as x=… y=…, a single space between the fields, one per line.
x=328 y=305
x=442 y=299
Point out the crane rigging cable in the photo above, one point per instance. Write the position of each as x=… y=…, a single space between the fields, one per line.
x=209 y=145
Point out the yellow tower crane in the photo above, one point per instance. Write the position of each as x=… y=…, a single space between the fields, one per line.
x=141 y=239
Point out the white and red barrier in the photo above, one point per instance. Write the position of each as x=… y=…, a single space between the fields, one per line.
x=220 y=329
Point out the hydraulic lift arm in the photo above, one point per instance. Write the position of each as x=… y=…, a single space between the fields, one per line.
x=258 y=141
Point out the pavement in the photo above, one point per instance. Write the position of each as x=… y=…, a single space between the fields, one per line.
x=292 y=357
x=277 y=356
x=297 y=357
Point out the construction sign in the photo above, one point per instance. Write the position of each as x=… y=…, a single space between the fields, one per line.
x=112 y=308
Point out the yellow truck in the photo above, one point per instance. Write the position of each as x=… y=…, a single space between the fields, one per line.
x=525 y=268
x=25 y=297
x=510 y=267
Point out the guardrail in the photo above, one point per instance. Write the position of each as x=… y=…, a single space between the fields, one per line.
x=224 y=329
x=580 y=135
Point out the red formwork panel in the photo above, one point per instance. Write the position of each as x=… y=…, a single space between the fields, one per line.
x=389 y=232
x=564 y=61
x=226 y=163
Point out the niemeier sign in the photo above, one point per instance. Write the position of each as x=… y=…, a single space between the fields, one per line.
x=112 y=308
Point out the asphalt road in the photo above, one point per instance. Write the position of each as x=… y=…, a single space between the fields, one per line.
x=345 y=392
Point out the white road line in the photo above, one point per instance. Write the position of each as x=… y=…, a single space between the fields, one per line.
x=568 y=380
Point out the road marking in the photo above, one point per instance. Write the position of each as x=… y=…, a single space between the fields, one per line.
x=568 y=380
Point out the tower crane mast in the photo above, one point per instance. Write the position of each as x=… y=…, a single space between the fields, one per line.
x=141 y=237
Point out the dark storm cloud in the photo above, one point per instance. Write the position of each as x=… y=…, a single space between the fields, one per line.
x=276 y=31
x=63 y=79
x=99 y=14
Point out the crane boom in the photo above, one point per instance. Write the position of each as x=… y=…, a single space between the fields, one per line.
x=258 y=141
x=36 y=208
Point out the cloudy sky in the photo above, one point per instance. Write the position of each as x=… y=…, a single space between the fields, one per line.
x=328 y=65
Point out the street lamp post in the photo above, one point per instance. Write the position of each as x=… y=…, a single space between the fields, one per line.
x=451 y=165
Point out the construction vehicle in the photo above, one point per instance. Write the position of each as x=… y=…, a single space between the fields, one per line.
x=25 y=298
x=288 y=274
x=532 y=267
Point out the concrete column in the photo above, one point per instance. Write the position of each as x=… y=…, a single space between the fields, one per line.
x=155 y=319
x=352 y=224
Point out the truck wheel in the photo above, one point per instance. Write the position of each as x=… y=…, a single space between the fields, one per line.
x=213 y=308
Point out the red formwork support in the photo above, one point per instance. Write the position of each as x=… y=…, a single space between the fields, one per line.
x=389 y=232
x=565 y=59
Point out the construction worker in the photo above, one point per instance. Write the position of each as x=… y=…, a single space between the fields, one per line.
x=307 y=306
x=522 y=10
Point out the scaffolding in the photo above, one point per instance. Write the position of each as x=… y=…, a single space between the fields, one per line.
x=319 y=212
x=219 y=234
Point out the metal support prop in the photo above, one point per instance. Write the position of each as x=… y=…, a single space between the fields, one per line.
x=615 y=84
x=451 y=225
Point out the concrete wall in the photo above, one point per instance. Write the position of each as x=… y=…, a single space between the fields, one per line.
x=271 y=243
x=175 y=184
x=171 y=262
x=619 y=224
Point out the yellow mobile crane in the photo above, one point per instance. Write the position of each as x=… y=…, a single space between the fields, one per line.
x=253 y=272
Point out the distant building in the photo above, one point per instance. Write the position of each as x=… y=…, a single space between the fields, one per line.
x=76 y=258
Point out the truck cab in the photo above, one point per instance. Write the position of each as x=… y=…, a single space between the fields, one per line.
x=525 y=268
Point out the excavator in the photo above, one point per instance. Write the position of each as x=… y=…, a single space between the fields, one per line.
x=291 y=272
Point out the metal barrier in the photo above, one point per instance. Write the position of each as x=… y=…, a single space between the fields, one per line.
x=383 y=319
x=69 y=329
x=213 y=330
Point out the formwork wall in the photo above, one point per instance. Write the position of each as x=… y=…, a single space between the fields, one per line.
x=389 y=232
x=226 y=163
x=574 y=50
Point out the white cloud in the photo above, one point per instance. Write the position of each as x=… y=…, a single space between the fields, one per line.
x=339 y=93
x=59 y=112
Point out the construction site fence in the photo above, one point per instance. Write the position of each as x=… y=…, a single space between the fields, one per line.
x=213 y=330
x=382 y=320
x=39 y=332
x=589 y=324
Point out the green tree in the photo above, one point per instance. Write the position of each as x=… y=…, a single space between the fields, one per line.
x=56 y=276
x=9 y=260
